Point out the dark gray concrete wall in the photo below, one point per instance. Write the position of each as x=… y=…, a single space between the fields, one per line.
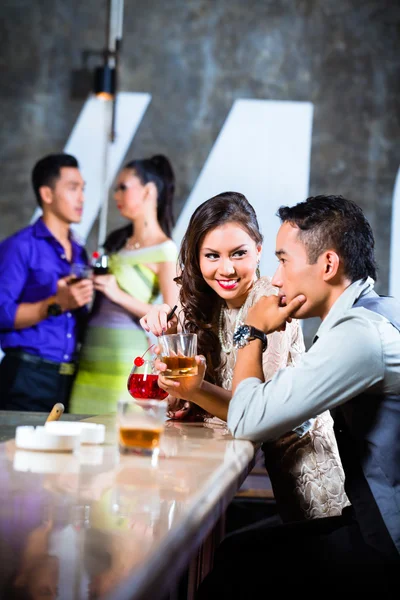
x=196 y=58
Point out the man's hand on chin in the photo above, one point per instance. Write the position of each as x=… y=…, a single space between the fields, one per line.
x=268 y=314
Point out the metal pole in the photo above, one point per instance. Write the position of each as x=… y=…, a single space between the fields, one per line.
x=104 y=205
x=115 y=9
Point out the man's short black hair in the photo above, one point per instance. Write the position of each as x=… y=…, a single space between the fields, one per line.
x=47 y=170
x=332 y=222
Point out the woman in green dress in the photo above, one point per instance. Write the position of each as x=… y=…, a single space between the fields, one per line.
x=142 y=265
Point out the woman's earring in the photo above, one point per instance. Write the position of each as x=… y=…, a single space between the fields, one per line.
x=258 y=274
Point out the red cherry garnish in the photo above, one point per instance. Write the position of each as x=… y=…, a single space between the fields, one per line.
x=139 y=360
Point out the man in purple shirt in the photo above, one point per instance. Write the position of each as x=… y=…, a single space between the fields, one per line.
x=41 y=312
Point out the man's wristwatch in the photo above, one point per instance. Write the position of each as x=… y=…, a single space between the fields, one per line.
x=54 y=310
x=246 y=333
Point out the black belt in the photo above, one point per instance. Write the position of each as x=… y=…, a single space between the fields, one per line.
x=62 y=368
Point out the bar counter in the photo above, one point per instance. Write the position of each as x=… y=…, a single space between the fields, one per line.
x=99 y=524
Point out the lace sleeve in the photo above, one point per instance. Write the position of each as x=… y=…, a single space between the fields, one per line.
x=284 y=348
x=297 y=347
x=276 y=355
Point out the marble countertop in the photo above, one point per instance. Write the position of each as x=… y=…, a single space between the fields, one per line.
x=98 y=524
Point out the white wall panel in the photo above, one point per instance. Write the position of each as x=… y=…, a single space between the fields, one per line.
x=394 y=273
x=262 y=151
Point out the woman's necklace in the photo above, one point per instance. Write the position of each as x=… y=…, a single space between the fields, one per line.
x=131 y=245
x=227 y=348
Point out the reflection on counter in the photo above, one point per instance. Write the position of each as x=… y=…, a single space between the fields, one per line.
x=74 y=525
x=85 y=526
x=36 y=574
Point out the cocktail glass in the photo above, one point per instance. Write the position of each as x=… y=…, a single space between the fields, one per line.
x=141 y=418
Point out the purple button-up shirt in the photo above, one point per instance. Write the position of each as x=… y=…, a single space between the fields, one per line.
x=31 y=263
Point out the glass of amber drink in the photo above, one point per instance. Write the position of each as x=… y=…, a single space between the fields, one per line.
x=178 y=352
x=141 y=418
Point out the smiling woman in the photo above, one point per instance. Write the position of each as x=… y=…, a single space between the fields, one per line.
x=219 y=282
x=228 y=261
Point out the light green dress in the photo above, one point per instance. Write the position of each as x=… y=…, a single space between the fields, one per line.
x=114 y=336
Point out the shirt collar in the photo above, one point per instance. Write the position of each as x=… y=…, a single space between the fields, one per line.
x=345 y=302
x=41 y=231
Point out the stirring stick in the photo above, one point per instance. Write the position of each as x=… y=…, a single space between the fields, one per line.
x=171 y=314
x=55 y=412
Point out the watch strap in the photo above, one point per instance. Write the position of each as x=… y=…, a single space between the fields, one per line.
x=259 y=335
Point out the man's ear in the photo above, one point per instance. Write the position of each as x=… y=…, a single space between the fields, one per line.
x=46 y=194
x=331 y=264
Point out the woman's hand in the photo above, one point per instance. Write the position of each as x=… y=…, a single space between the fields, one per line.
x=181 y=387
x=107 y=285
x=155 y=321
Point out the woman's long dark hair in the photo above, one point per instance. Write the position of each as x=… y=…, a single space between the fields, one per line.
x=201 y=305
x=158 y=170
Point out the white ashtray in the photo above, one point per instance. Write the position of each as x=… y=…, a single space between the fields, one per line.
x=89 y=433
x=40 y=438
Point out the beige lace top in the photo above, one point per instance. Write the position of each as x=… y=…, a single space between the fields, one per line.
x=306 y=472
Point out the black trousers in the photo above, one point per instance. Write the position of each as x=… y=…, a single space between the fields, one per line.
x=29 y=386
x=325 y=558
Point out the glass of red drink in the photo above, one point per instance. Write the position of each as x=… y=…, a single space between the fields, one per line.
x=141 y=419
x=142 y=381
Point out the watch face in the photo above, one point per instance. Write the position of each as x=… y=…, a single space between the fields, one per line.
x=54 y=310
x=241 y=336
